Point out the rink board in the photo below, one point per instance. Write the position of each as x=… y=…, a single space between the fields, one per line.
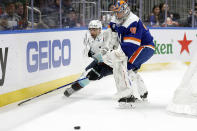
x=43 y=60
x=33 y=63
x=36 y=90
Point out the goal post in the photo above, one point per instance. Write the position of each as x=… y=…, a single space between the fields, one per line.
x=185 y=97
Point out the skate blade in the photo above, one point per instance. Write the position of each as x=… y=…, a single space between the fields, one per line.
x=132 y=105
x=125 y=105
x=141 y=101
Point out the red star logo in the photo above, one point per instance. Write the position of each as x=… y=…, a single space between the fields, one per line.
x=184 y=43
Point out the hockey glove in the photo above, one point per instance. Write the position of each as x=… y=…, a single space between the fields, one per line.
x=90 y=53
x=117 y=28
x=112 y=25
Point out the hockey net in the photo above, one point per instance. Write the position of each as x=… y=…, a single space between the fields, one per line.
x=185 y=96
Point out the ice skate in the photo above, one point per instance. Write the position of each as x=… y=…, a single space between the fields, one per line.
x=75 y=87
x=69 y=91
x=127 y=102
x=144 y=96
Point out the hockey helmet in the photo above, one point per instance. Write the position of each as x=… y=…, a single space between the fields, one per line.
x=95 y=24
x=122 y=6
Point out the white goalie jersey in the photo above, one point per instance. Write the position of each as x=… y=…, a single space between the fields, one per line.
x=185 y=97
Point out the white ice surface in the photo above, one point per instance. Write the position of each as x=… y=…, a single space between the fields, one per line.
x=94 y=109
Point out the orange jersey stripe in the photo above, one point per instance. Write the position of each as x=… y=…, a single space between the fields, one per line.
x=131 y=38
x=133 y=57
x=150 y=46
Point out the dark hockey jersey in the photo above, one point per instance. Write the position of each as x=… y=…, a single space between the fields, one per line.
x=132 y=34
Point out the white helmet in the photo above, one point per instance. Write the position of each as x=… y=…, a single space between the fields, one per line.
x=95 y=24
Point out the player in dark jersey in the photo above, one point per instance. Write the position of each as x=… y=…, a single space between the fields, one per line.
x=137 y=45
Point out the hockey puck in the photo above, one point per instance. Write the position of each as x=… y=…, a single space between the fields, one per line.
x=77 y=127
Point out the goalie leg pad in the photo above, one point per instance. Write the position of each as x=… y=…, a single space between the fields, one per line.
x=141 y=87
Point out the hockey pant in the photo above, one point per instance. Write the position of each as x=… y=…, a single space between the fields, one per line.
x=142 y=54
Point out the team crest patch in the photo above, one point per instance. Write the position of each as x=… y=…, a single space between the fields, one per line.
x=133 y=30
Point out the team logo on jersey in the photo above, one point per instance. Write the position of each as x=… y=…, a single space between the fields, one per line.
x=133 y=30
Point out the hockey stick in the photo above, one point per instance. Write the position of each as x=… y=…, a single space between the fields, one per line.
x=19 y=104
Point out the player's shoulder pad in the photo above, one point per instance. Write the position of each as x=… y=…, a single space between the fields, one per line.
x=130 y=20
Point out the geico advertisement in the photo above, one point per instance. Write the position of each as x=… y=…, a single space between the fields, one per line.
x=43 y=55
x=32 y=58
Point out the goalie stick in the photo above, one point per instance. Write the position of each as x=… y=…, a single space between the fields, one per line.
x=19 y=104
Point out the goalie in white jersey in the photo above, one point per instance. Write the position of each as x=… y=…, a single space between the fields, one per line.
x=95 y=42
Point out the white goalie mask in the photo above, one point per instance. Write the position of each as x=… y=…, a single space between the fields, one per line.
x=95 y=24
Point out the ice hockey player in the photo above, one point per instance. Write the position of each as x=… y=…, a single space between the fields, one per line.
x=95 y=42
x=136 y=47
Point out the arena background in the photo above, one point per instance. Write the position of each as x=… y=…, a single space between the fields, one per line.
x=44 y=43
